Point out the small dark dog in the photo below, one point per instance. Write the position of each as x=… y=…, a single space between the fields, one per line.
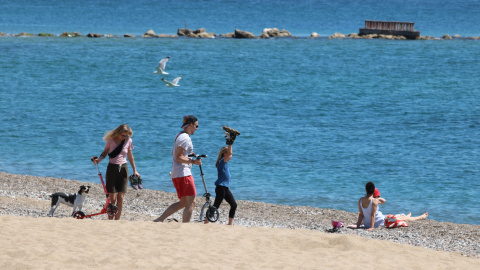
x=76 y=200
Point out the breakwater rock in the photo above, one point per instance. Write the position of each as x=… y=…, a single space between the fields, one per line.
x=199 y=33
x=151 y=34
x=274 y=32
x=94 y=35
x=73 y=34
x=242 y=34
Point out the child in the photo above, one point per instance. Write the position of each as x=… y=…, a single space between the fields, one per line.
x=222 y=184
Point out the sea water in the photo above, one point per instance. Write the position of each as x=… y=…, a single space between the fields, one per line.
x=319 y=117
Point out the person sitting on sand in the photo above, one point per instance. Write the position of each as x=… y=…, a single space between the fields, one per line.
x=368 y=211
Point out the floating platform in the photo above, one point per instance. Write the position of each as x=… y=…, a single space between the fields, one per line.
x=406 y=29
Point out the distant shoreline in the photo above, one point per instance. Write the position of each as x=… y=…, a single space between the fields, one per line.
x=202 y=34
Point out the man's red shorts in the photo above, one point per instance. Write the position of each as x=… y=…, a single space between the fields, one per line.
x=185 y=186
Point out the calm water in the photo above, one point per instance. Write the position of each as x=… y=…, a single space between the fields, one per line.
x=319 y=118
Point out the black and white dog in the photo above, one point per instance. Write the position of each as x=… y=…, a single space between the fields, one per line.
x=75 y=200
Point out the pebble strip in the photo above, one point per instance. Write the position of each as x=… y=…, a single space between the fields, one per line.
x=23 y=195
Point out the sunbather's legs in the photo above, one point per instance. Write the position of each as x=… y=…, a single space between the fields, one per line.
x=410 y=218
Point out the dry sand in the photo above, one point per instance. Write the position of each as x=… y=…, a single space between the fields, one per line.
x=264 y=239
x=51 y=243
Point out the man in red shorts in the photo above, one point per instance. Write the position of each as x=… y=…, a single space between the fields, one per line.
x=182 y=171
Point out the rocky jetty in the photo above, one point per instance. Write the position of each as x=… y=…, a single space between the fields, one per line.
x=242 y=34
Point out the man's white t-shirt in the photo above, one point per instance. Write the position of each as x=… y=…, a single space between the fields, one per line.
x=182 y=169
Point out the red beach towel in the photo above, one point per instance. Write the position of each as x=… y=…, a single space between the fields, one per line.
x=391 y=221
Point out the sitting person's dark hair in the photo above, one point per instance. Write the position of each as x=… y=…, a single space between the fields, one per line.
x=370 y=188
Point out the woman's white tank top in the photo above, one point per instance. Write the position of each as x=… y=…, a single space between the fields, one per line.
x=379 y=217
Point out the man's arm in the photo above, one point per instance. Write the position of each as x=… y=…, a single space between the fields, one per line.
x=181 y=158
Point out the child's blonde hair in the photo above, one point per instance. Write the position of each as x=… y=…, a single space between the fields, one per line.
x=220 y=154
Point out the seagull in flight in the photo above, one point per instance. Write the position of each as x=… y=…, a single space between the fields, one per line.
x=174 y=83
x=161 y=66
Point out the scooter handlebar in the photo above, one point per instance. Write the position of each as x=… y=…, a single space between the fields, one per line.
x=197 y=156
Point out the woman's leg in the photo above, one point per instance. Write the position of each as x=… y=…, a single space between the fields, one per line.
x=113 y=200
x=233 y=205
x=121 y=184
x=410 y=218
x=120 y=197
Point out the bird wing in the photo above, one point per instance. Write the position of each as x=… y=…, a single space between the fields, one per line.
x=163 y=63
x=167 y=82
x=175 y=81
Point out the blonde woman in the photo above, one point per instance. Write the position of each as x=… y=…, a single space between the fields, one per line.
x=118 y=146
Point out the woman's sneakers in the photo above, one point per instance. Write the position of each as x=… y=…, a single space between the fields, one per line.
x=136 y=182
x=139 y=182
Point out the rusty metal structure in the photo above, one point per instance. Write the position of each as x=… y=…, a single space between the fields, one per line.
x=406 y=29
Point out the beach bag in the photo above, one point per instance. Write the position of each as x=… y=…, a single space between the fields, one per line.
x=391 y=221
x=336 y=226
x=117 y=150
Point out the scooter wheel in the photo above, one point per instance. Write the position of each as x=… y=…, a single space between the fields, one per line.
x=212 y=214
x=78 y=215
x=112 y=210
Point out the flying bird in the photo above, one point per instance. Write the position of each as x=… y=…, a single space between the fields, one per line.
x=161 y=66
x=174 y=83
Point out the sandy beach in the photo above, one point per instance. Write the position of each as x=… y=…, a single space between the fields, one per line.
x=267 y=236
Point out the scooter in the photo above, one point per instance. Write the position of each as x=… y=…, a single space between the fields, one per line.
x=109 y=209
x=211 y=212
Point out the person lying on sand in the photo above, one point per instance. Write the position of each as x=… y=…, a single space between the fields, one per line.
x=369 y=210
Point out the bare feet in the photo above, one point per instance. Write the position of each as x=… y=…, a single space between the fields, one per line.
x=424 y=216
x=158 y=220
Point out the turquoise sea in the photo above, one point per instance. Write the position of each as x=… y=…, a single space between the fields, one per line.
x=319 y=117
